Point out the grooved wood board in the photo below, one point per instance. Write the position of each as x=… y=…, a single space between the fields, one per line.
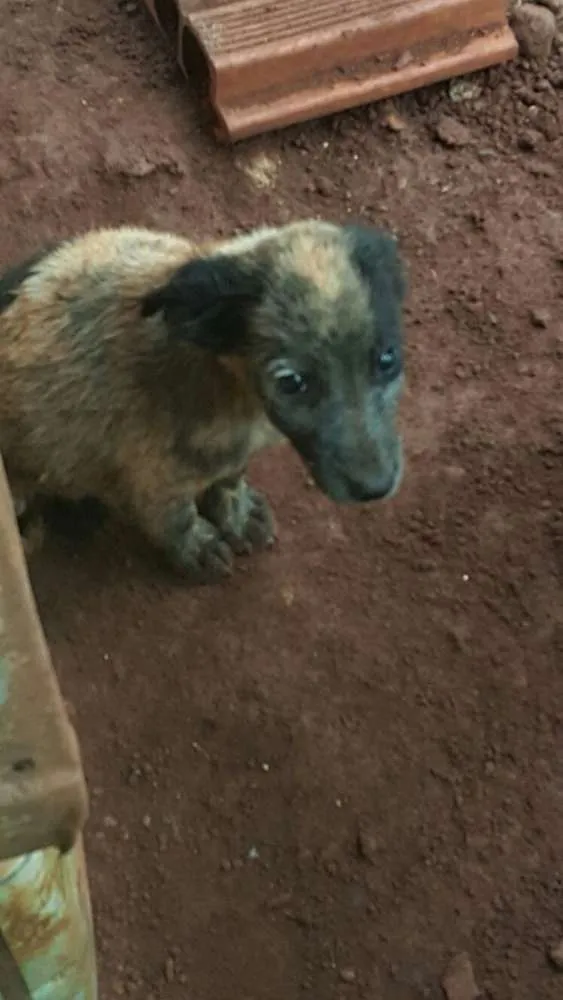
x=269 y=63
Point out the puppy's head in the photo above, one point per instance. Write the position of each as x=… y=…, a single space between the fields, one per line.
x=316 y=310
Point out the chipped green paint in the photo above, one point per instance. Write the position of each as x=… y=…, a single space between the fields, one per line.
x=46 y=919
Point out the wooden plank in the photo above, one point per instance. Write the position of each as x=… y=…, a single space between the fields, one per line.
x=43 y=797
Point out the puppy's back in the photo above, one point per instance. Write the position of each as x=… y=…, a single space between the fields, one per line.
x=70 y=334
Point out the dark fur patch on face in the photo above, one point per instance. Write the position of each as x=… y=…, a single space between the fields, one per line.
x=206 y=303
x=375 y=254
x=12 y=279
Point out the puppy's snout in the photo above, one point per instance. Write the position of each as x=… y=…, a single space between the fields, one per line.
x=379 y=484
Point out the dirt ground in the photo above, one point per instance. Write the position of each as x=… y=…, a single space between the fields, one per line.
x=333 y=774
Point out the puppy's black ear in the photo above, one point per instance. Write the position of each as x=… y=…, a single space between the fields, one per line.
x=12 y=279
x=376 y=253
x=207 y=302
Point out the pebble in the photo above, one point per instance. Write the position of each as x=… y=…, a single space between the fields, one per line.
x=324 y=186
x=348 y=975
x=540 y=318
x=463 y=89
x=539 y=168
x=555 y=953
x=128 y=161
x=451 y=132
x=535 y=29
x=367 y=846
x=170 y=969
x=118 y=161
x=459 y=979
x=529 y=140
x=391 y=119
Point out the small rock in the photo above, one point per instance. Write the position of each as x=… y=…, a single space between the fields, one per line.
x=120 y=160
x=539 y=168
x=555 y=954
x=170 y=969
x=535 y=29
x=459 y=980
x=324 y=186
x=529 y=140
x=540 y=318
x=462 y=89
x=367 y=845
x=549 y=126
x=525 y=370
x=348 y=975
x=391 y=118
x=451 y=132
x=135 y=161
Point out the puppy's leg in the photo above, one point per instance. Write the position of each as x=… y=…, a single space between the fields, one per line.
x=241 y=515
x=166 y=510
x=32 y=532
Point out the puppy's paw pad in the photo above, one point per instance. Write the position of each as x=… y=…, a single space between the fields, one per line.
x=207 y=561
x=260 y=528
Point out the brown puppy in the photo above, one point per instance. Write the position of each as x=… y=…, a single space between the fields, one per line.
x=144 y=370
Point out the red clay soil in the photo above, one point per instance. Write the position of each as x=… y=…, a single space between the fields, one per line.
x=335 y=773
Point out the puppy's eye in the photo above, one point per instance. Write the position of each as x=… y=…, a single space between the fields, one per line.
x=289 y=382
x=387 y=362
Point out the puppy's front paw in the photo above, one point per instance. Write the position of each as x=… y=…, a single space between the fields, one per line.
x=258 y=530
x=241 y=515
x=202 y=555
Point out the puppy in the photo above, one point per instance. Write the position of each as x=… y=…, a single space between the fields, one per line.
x=144 y=370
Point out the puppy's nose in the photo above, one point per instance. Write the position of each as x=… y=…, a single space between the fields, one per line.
x=361 y=493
